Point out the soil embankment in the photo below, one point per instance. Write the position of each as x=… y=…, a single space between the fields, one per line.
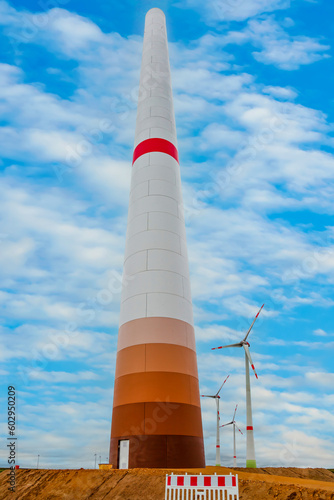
x=149 y=484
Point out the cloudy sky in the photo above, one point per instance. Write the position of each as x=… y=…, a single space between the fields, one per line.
x=253 y=84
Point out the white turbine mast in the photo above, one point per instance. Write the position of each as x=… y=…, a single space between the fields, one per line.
x=250 y=447
x=234 y=444
x=217 y=398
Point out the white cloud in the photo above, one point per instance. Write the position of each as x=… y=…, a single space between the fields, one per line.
x=199 y=82
x=61 y=377
x=280 y=92
x=321 y=333
x=216 y=136
x=216 y=332
x=234 y=10
x=73 y=31
x=110 y=180
x=284 y=51
x=47 y=344
x=321 y=378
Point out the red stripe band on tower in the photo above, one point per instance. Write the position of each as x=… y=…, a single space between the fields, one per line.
x=155 y=146
x=249 y=427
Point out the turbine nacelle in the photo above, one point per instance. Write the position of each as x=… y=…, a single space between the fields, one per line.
x=245 y=344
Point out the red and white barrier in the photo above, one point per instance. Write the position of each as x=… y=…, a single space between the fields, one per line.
x=201 y=487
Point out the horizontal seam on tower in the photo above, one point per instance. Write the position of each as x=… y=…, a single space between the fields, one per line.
x=150 y=195
x=164 y=270
x=165 y=372
x=158 y=269
x=157 y=178
x=165 y=230
x=193 y=349
x=147 y=180
x=176 y=164
x=156 y=293
x=139 y=119
x=139 y=122
x=157 y=212
x=161 y=195
x=158 y=343
x=148 y=134
x=163 y=317
x=152 y=97
x=148 y=249
x=166 y=402
x=156 y=371
x=136 y=168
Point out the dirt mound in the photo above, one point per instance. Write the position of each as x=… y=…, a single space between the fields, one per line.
x=317 y=474
x=149 y=484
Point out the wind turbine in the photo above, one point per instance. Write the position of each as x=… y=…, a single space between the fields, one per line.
x=234 y=426
x=217 y=398
x=250 y=448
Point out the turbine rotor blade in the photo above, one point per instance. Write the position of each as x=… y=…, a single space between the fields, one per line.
x=206 y=396
x=235 y=411
x=253 y=323
x=226 y=424
x=222 y=385
x=239 y=429
x=224 y=346
x=250 y=359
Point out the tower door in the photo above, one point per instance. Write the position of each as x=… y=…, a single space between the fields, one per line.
x=124 y=454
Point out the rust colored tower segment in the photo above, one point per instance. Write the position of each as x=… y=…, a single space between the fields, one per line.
x=156 y=418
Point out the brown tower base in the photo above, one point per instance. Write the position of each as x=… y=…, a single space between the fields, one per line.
x=156 y=410
x=164 y=452
x=160 y=434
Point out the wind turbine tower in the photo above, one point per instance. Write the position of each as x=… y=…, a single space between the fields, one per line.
x=156 y=419
x=250 y=449
x=217 y=399
x=234 y=443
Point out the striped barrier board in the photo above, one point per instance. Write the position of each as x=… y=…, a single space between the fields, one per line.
x=201 y=487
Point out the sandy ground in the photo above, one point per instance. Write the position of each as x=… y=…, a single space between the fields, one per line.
x=149 y=484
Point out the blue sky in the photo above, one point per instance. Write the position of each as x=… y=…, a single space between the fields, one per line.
x=253 y=84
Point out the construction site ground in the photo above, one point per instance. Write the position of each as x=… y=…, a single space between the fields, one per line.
x=149 y=484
